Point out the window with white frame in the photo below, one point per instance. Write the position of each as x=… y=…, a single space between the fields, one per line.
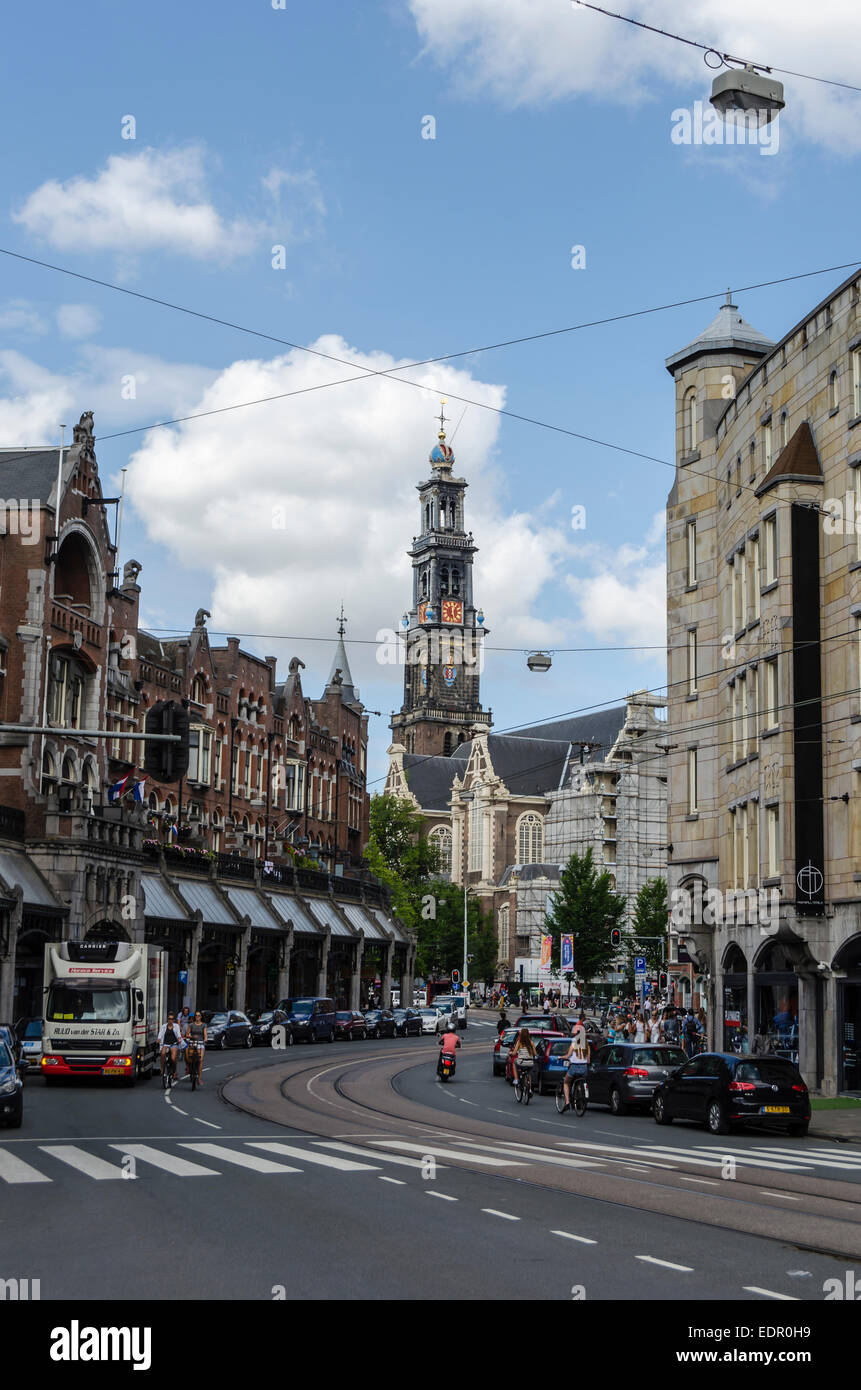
x=772 y=821
x=769 y=535
x=530 y=839
x=486 y=845
x=858 y=508
x=754 y=843
x=66 y=689
x=249 y=754
x=504 y=932
x=440 y=838
x=691 y=538
x=741 y=570
x=475 y=835
x=755 y=575
x=690 y=427
x=234 y=769
x=692 y=662
x=784 y=430
x=767 y=444
x=771 y=695
x=693 y=804
x=741 y=687
x=199 y=753
x=833 y=392
x=856 y=381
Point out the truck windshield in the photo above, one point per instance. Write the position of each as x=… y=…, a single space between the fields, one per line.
x=82 y=1005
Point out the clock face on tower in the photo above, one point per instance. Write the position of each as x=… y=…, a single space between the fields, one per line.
x=452 y=610
x=423 y=610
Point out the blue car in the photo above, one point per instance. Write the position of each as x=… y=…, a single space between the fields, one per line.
x=550 y=1063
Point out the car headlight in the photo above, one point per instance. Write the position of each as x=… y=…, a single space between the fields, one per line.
x=8 y=1088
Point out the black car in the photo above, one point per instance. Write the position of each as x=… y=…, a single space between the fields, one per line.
x=407 y=1022
x=262 y=1025
x=723 y=1090
x=350 y=1024
x=230 y=1028
x=11 y=1090
x=380 y=1023
x=626 y=1075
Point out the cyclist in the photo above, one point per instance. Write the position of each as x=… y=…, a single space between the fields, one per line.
x=577 y=1058
x=524 y=1053
x=170 y=1037
x=196 y=1035
x=447 y=1043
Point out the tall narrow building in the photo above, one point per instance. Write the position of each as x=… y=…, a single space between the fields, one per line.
x=442 y=632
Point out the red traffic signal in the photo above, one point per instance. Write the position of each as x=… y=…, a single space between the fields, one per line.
x=662 y=980
x=615 y=937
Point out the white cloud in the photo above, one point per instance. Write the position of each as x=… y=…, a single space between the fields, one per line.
x=19 y=316
x=148 y=201
x=535 y=51
x=342 y=467
x=623 y=598
x=78 y=320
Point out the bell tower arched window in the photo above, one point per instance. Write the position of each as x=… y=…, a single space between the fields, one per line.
x=424 y=583
x=530 y=839
x=455 y=582
x=443 y=580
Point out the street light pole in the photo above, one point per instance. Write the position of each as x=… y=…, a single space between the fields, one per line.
x=465 y=976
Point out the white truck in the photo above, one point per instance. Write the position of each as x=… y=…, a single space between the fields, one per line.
x=104 y=1004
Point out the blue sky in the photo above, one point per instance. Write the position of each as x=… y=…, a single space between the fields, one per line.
x=302 y=127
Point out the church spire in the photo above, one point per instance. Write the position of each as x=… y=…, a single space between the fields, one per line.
x=340 y=665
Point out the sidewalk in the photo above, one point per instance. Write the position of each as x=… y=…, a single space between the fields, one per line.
x=842 y=1125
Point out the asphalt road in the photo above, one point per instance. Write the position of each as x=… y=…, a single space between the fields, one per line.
x=350 y=1172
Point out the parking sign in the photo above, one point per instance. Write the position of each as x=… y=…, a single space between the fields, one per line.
x=639 y=965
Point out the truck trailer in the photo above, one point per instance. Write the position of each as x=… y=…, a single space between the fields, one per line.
x=103 y=1007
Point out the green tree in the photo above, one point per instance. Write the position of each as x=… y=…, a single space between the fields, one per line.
x=650 y=920
x=440 y=934
x=586 y=907
x=399 y=855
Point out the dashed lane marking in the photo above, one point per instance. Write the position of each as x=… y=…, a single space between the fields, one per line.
x=665 y=1264
x=569 y=1235
x=769 y=1293
x=506 y=1216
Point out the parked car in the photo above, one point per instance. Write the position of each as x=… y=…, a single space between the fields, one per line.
x=228 y=1029
x=29 y=1034
x=408 y=1022
x=626 y=1075
x=311 y=1018
x=432 y=1020
x=262 y=1025
x=350 y=1024
x=11 y=1089
x=723 y=1090
x=554 y=1023
x=380 y=1023
x=458 y=1004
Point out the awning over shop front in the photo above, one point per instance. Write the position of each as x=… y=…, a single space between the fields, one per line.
x=328 y=917
x=160 y=902
x=203 y=896
x=16 y=871
x=389 y=925
x=291 y=909
x=361 y=919
x=250 y=904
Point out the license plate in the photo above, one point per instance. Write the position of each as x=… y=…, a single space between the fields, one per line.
x=775 y=1110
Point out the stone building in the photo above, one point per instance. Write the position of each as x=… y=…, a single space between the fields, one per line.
x=764 y=603
x=248 y=869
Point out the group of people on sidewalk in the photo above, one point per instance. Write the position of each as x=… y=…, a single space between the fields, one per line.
x=658 y=1024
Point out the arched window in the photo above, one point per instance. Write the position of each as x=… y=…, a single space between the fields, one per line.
x=504 y=924
x=424 y=583
x=440 y=837
x=442 y=513
x=49 y=771
x=443 y=580
x=833 y=394
x=455 y=582
x=198 y=690
x=427 y=516
x=784 y=429
x=446 y=745
x=690 y=421
x=66 y=692
x=88 y=776
x=530 y=839
x=69 y=774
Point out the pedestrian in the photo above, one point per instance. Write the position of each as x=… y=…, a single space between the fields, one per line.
x=503 y=1023
x=185 y=1019
x=639 y=1029
x=702 y=1029
x=671 y=1028
x=689 y=1033
x=656 y=1030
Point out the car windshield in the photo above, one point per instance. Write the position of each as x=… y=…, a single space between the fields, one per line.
x=300 y=1006
x=217 y=1018
x=672 y=1056
x=773 y=1071
x=5 y=1058
x=558 y=1049
x=78 y=1004
x=430 y=1013
x=34 y=1028
x=266 y=1017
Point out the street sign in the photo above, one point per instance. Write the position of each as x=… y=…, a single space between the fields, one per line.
x=183 y=977
x=639 y=965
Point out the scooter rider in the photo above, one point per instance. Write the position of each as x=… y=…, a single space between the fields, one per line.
x=447 y=1043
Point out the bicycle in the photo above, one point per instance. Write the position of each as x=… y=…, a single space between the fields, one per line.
x=168 y=1075
x=523 y=1084
x=579 y=1097
x=193 y=1061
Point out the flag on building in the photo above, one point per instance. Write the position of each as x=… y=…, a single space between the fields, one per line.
x=139 y=791
x=567 y=946
x=117 y=789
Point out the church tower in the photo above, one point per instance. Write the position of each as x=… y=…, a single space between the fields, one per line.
x=442 y=633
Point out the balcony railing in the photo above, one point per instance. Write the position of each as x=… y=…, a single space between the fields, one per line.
x=232 y=866
x=68 y=620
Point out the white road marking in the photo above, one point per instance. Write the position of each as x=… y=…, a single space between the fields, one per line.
x=442 y=1196
x=713 y=1159
x=177 y=1111
x=171 y=1163
x=712 y=1182
x=436 y=1152
x=568 y=1235
x=243 y=1160
x=785 y=1195
x=491 y=1211
x=399 y=1182
x=345 y=1165
x=769 y=1293
x=665 y=1264
x=538 y=1156
x=208 y=1123
x=88 y=1164
x=370 y=1153
x=15 y=1170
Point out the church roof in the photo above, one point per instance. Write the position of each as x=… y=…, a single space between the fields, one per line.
x=601 y=728
x=430 y=779
x=340 y=663
x=30 y=473
x=727 y=332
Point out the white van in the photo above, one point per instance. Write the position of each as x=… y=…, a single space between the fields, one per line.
x=457 y=1003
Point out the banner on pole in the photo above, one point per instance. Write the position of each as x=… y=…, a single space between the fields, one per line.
x=567 y=953
x=546 y=950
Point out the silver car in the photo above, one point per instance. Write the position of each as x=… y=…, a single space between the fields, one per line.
x=432 y=1020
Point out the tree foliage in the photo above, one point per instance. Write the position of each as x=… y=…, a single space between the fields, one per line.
x=397 y=854
x=585 y=906
x=650 y=920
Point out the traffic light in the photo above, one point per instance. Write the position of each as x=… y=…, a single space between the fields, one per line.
x=166 y=762
x=615 y=937
x=662 y=980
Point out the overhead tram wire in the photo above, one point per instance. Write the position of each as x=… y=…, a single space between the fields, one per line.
x=391 y=373
x=712 y=48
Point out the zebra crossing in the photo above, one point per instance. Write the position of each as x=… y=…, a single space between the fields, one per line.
x=197 y=1158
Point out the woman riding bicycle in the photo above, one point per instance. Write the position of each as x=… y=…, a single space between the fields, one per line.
x=577 y=1058
x=523 y=1049
x=196 y=1035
